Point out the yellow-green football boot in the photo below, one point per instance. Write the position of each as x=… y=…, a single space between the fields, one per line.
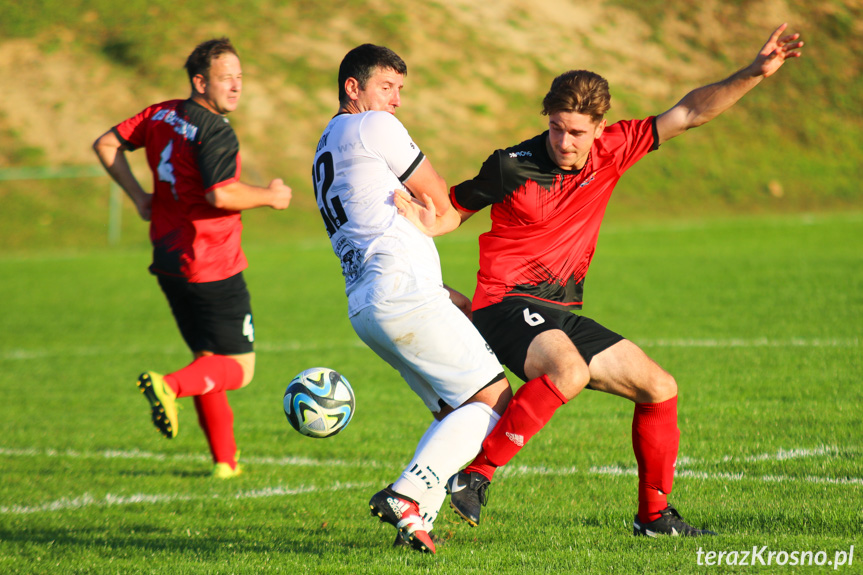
x=223 y=470
x=163 y=402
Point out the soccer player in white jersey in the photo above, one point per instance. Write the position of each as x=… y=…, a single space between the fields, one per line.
x=397 y=302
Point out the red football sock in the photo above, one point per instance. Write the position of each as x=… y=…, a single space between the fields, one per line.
x=482 y=466
x=655 y=440
x=207 y=374
x=528 y=411
x=217 y=420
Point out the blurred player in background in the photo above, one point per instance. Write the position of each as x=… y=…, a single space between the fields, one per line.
x=548 y=197
x=397 y=302
x=195 y=228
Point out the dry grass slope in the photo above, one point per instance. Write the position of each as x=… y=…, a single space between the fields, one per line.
x=477 y=74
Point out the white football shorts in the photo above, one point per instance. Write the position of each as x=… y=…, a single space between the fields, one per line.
x=432 y=344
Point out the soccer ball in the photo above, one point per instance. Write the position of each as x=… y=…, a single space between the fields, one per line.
x=319 y=402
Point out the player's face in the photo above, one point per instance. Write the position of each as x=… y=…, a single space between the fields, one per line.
x=221 y=91
x=382 y=92
x=570 y=137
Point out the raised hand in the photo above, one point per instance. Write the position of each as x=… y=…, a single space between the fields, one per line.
x=774 y=53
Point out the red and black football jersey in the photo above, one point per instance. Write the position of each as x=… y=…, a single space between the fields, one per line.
x=190 y=151
x=544 y=220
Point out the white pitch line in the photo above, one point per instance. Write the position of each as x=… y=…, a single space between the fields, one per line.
x=288 y=346
x=756 y=342
x=91 y=351
x=682 y=461
x=88 y=500
x=783 y=454
x=739 y=476
x=111 y=500
x=137 y=454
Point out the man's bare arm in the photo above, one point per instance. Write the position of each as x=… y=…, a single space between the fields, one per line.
x=112 y=153
x=238 y=196
x=703 y=104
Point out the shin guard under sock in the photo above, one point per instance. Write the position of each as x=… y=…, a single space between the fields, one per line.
x=445 y=447
x=207 y=374
x=655 y=440
x=217 y=421
x=528 y=411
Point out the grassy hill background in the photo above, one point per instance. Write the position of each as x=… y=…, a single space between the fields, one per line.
x=477 y=74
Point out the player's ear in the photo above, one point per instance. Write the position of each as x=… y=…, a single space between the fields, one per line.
x=600 y=128
x=352 y=88
x=199 y=84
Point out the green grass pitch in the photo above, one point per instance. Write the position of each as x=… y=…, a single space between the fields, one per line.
x=758 y=318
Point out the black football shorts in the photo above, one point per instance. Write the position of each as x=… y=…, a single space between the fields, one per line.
x=212 y=316
x=510 y=326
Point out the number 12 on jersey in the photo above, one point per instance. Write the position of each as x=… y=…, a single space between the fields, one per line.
x=331 y=208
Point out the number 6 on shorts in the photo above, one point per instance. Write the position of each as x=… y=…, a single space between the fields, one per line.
x=532 y=319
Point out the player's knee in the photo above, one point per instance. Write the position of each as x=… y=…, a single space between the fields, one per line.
x=496 y=395
x=248 y=374
x=570 y=376
x=248 y=365
x=663 y=387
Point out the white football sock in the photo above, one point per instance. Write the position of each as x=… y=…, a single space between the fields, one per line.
x=444 y=448
x=430 y=503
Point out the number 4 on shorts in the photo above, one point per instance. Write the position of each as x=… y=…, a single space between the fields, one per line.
x=249 y=327
x=532 y=319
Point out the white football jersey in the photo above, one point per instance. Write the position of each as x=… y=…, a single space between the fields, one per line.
x=360 y=161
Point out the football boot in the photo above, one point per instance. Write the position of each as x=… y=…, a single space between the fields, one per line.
x=468 y=494
x=402 y=513
x=163 y=403
x=669 y=523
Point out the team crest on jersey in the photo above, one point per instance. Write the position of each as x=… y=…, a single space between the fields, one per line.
x=587 y=181
x=349 y=255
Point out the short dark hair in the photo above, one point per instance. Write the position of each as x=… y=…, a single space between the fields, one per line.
x=578 y=91
x=361 y=62
x=203 y=55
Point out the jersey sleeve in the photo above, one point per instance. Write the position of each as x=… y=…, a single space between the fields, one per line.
x=484 y=189
x=132 y=132
x=384 y=135
x=632 y=140
x=219 y=157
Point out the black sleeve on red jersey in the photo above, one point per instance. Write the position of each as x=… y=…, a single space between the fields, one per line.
x=217 y=155
x=655 y=135
x=484 y=189
x=123 y=140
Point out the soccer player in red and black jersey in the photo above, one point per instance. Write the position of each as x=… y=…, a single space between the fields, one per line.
x=195 y=227
x=548 y=197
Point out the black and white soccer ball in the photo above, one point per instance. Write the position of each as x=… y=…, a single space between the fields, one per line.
x=319 y=402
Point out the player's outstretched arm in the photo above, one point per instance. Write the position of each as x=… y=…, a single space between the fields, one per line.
x=703 y=104
x=428 y=206
x=238 y=196
x=429 y=209
x=112 y=153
